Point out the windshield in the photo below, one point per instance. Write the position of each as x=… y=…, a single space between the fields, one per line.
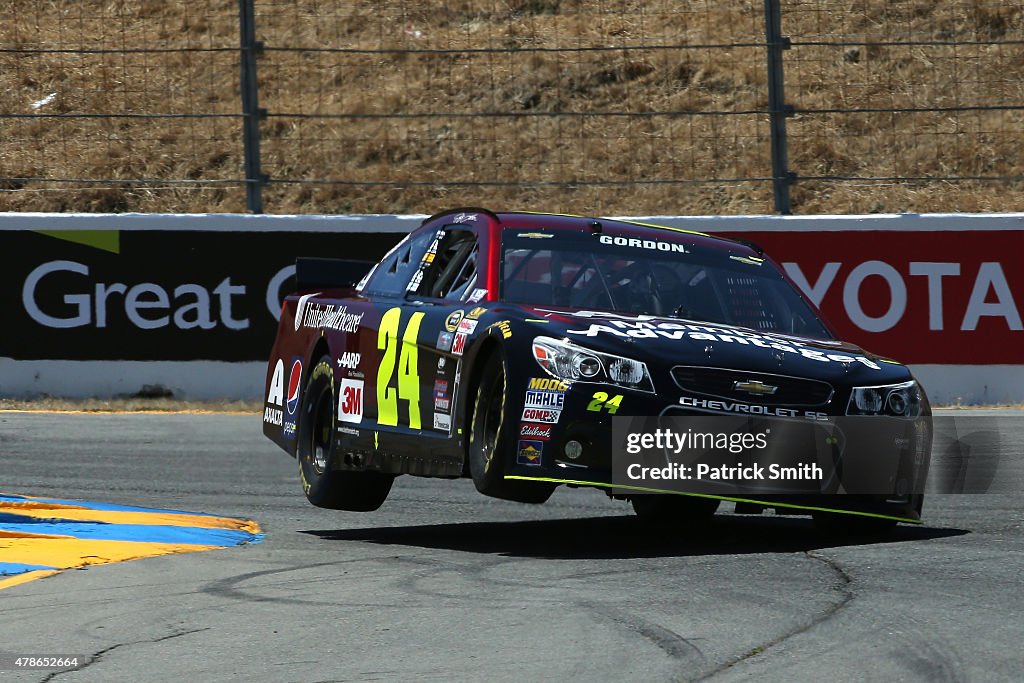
x=672 y=279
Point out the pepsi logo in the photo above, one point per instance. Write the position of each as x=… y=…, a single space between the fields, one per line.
x=294 y=383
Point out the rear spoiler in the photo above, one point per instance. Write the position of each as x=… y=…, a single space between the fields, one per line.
x=329 y=273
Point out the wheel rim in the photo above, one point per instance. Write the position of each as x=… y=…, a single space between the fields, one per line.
x=493 y=414
x=321 y=434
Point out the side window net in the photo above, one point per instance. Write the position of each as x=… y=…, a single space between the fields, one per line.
x=453 y=271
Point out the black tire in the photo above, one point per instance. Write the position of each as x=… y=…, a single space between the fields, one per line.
x=491 y=436
x=836 y=524
x=325 y=487
x=677 y=510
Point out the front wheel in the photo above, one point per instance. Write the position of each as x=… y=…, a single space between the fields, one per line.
x=324 y=486
x=490 y=436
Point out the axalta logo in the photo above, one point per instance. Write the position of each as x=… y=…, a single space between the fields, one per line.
x=272 y=412
x=275 y=394
x=548 y=384
x=655 y=245
x=146 y=305
x=294 y=384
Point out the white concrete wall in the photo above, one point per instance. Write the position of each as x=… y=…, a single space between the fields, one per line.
x=946 y=384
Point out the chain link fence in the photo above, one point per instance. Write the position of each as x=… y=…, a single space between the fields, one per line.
x=604 y=107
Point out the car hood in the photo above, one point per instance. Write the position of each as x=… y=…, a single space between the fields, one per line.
x=666 y=341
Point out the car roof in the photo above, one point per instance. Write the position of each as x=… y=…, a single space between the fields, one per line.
x=526 y=220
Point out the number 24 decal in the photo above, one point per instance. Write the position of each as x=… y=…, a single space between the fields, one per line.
x=601 y=400
x=408 y=375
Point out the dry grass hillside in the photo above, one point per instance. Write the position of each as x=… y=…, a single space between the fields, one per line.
x=435 y=104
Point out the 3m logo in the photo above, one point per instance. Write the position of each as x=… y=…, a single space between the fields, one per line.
x=459 y=345
x=350 y=401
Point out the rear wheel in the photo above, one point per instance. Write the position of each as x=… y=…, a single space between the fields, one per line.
x=672 y=509
x=490 y=437
x=325 y=487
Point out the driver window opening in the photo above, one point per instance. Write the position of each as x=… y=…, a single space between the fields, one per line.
x=453 y=272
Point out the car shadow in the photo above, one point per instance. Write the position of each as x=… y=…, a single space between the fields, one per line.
x=623 y=537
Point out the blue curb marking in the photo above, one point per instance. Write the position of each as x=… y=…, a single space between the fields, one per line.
x=15 y=568
x=108 y=507
x=147 y=533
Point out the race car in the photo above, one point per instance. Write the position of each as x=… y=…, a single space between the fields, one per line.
x=503 y=346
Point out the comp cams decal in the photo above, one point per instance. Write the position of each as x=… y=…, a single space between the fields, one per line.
x=542 y=415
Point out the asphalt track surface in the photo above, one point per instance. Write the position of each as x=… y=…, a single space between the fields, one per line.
x=444 y=584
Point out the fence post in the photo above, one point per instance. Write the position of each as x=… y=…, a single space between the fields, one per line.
x=251 y=112
x=776 y=43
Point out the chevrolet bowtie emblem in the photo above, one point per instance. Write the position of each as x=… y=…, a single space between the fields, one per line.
x=752 y=386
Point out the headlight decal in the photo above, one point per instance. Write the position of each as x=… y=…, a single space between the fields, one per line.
x=895 y=400
x=571 y=363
